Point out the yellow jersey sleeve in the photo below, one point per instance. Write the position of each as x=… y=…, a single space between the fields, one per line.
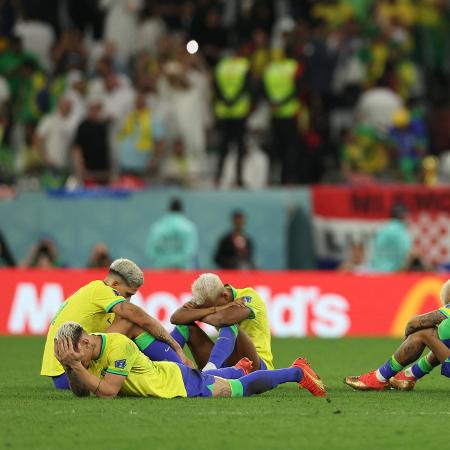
x=105 y=297
x=121 y=358
x=445 y=310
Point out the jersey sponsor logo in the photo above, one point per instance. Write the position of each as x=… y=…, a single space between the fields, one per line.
x=120 y=364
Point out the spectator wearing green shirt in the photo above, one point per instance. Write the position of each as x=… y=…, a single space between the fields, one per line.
x=392 y=244
x=172 y=241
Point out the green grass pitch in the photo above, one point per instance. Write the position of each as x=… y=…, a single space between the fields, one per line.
x=34 y=416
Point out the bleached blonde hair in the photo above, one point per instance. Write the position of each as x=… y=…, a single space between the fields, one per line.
x=129 y=271
x=71 y=330
x=444 y=295
x=206 y=286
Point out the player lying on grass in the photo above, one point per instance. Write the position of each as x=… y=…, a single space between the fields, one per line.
x=110 y=364
x=95 y=306
x=430 y=330
x=243 y=331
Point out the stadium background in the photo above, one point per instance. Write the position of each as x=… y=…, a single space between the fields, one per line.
x=353 y=161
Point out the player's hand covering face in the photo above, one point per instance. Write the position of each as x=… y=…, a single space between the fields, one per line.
x=65 y=353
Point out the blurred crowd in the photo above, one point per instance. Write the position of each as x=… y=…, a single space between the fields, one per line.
x=172 y=243
x=104 y=92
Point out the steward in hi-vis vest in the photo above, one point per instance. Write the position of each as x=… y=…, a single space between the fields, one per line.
x=232 y=106
x=280 y=84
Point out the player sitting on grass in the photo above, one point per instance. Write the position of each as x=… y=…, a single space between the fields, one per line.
x=243 y=328
x=430 y=330
x=95 y=306
x=111 y=364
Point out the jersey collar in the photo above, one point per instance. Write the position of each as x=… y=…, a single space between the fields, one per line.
x=102 y=348
x=233 y=291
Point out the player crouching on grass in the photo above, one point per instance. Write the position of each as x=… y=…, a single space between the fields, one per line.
x=111 y=364
x=97 y=304
x=430 y=330
x=240 y=316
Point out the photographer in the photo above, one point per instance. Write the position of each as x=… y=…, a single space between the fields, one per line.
x=43 y=255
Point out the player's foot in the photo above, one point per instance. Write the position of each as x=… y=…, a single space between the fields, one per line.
x=367 y=382
x=403 y=382
x=310 y=381
x=245 y=365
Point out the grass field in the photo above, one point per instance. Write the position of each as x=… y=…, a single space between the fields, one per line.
x=34 y=416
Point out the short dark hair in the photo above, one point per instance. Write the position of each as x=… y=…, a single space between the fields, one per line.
x=398 y=211
x=176 y=205
x=237 y=213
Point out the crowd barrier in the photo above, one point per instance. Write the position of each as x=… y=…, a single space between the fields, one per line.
x=321 y=304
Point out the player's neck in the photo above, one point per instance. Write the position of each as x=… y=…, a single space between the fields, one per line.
x=96 y=346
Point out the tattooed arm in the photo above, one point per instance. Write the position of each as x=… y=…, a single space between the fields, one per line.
x=139 y=317
x=429 y=320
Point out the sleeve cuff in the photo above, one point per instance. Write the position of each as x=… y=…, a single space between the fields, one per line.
x=114 y=303
x=445 y=311
x=124 y=373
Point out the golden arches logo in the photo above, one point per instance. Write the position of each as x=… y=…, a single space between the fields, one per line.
x=414 y=300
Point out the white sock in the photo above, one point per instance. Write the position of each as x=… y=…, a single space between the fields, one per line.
x=409 y=372
x=380 y=377
x=209 y=366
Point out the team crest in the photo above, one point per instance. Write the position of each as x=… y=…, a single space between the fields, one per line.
x=120 y=364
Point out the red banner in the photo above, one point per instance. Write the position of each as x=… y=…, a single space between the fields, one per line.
x=345 y=214
x=298 y=303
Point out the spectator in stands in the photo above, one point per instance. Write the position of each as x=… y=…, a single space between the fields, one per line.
x=235 y=249
x=391 y=246
x=356 y=259
x=54 y=136
x=69 y=53
x=42 y=255
x=233 y=100
x=140 y=140
x=91 y=151
x=172 y=241
x=6 y=257
x=100 y=257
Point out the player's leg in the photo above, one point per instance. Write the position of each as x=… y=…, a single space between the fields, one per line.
x=198 y=342
x=223 y=347
x=408 y=352
x=242 y=368
x=152 y=348
x=244 y=348
x=61 y=382
x=264 y=380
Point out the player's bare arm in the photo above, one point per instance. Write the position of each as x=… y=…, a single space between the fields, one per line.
x=139 y=317
x=190 y=313
x=108 y=387
x=76 y=386
x=428 y=320
x=229 y=316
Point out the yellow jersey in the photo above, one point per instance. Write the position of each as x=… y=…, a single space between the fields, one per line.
x=144 y=378
x=90 y=306
x=257 y=324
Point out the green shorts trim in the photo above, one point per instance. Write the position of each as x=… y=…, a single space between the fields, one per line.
x=444 y=330
x=144 y=340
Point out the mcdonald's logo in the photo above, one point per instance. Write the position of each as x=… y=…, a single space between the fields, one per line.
x=413 y=302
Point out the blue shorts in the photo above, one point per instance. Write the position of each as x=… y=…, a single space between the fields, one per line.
x=262 y=365
x=61 y=381
x=197 y=383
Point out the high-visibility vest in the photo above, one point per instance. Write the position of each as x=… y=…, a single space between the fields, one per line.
x=230 y=74
x=279 y=83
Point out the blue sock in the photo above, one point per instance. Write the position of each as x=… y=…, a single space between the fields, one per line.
x=230 y=373
x=62 y=382
x=264 y=380
x=390 y=368
x=421 y=367
x=181 y=334
x=154 y=349
x=224 y=345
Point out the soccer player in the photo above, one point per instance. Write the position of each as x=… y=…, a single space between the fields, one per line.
x=110 y=364
x=239 y=314
x=430 y=330
x=95 y=306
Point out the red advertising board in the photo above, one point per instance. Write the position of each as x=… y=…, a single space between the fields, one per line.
x=323 y=304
